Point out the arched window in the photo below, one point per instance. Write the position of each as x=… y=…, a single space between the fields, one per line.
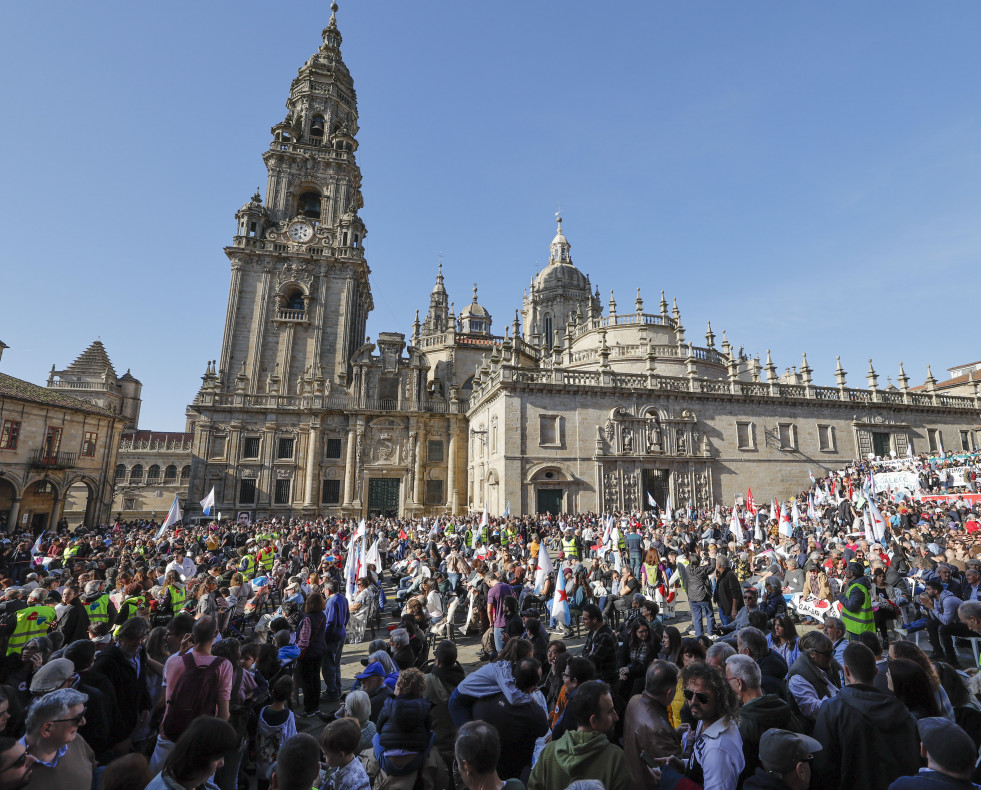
x=120 y=471
x=170 y=473
x=308 y=204
x=295 y=301
x=153 y=473
x=185 y=472
x=136 y=473
x=547 y=323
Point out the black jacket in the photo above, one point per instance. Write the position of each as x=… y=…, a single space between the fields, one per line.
x=405 y=723
x=699 y=587
x=132 y=692
x=860 y=722
x=774 y=669
x=728 y=591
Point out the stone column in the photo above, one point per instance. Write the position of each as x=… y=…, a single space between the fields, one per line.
x=313 y=464
x=418 y=493
x=451 y=495
x=56 y=511
x=12 y=515
x=349 y=468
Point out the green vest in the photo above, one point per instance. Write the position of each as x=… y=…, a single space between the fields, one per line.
x=99 y=609
x=569 y=548
x=177 y=597
x=862 y=620
x=249 y=571
x=266 y=560
x=32 y=622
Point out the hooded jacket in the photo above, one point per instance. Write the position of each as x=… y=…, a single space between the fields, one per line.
x=862 y=721
x=756 y=717
x=580 y=755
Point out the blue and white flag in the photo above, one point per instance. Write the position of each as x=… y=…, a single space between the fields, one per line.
x=36 y=548
x=650 y=500
x=507 y=509
x=668 y=511
x=208 y=502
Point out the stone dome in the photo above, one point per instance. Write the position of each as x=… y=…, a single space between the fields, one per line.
x=474 y=309
x=561 y=275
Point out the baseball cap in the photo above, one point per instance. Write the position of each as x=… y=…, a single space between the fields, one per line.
x=52 y=675
x=781 y=750
x=947 y=744
x=373 y=670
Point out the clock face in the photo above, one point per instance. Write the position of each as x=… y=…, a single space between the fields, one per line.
x=300 y=232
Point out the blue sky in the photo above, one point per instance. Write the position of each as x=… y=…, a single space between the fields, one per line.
x=807 y=176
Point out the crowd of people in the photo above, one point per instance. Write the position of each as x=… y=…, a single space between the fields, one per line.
x=210 y=656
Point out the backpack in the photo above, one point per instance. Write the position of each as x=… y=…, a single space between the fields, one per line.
x=195 y=694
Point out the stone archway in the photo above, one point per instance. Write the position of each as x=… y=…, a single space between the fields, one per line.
x=80 y=504
x=8 y=495
x=37 y=506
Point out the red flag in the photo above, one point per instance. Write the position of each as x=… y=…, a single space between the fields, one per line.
x=402 y=535
x=750 y=502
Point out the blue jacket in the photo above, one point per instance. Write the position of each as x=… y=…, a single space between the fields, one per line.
x=338 y=615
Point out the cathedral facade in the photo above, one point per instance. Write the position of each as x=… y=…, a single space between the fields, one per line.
x=574 y=406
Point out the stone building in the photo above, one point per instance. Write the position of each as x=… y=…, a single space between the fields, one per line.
x=50 y=443
x=150 y=468
x=573 y=407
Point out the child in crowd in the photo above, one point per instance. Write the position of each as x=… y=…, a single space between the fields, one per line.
x=339 y=742
x=285 y=650
x=276 y=724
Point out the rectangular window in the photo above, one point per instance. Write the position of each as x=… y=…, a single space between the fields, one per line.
x=52 y=443
x=330 y=494
x=434 y=492
x=549 y=430
x=434 y=451
x=935 y=438
x=88 y=446
x=8 y=439
x=284 y=447
x=283 y=492
x=333 y=448
x=826 y=438
x=788 y=436
x=966 y=441
x=745 y=436
x=246 y=492
x=218 y=446
x=250 y=447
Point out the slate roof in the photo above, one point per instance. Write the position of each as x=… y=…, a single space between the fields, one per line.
x=18 y=389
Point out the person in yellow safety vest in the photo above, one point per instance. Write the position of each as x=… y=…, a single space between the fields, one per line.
x=570 y=547
x=173 y=595
x=97 y=603
x=70 y=551
x=266 y=557
x=856 y=602
x=34 y=621
x=134 y=605
x=247 y=564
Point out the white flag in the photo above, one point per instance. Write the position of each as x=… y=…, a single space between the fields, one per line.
x=650 y=500
x=795 y=513
x=173 y=516
x=36 y=548
x=736 y=527
x=757 y=532
x=668 y=510
x=544 y=567
x=372 y=556
x=507 y=509
x=208 y=502
x=484 y=520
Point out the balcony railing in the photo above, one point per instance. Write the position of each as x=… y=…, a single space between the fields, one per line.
x=60 y=460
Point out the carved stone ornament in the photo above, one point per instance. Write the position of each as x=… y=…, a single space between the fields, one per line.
x=435 y=474
x=284 y=474
x=298 y=272
x=333 y=473
x=249 y=474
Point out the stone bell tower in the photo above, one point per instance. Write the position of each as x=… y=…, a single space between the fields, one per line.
x=299 y=297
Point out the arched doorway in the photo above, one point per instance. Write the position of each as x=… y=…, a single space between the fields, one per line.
x=7 y=495
x=37 y=506
x=79 y=504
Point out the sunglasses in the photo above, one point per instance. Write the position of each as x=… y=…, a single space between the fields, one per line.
x=700 y=696
x=822 y=652
x=76 y=720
